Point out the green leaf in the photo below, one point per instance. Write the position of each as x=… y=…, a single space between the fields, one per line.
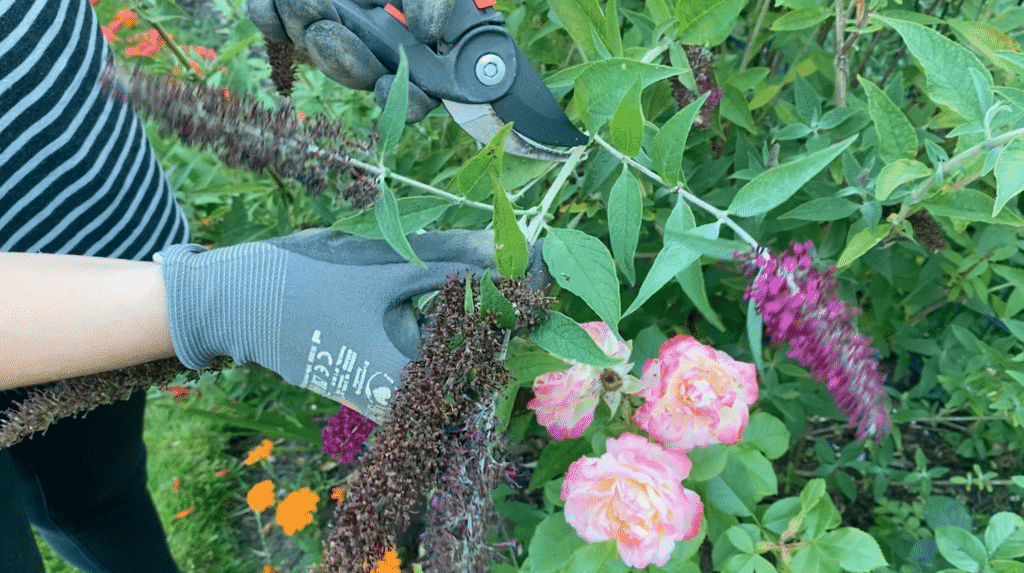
x=708 y=461
x=488 y=159
x=1004 y=536
x=389 y=220
x=612 y=34
x=556 y=458
x=747 y=563
x=625 y=208
x=707 y=22
x=857 y=551
x=739 y=539
x=747 y=478
x=1009 y=172
x=581 y=264
x=670 y=142
x=563 y=337
x=1001 y=566
x=674 y=256
x=861 y=243
x=510 y=252
x=579 y=17
x=800 y=19
x=691 y=279
x=897 y=173
x=553 y=543
x=396 y=108
x=600 y=557
x=526 y=367
x=627 y=127
x=772 y=188
x=960 y=548
x=970 y=204
x=603 y=84
x=491 y=299
x=897 y=137
x=469 y=305
x=768 y=434
x=414 y=213
x=813 y=558
x=945 y=64
x=823 y=209
x=812 y=493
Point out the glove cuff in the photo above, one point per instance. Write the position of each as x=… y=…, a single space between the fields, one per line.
x=224 y=302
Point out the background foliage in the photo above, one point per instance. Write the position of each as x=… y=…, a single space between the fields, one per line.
x=837 y=130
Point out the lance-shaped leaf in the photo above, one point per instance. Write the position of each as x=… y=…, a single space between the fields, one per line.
x=625 y=208
x=897 y=137
x=565 y=338
x=396 y=108
x=581 y=264
x=385 y=209
x=670 y=142
x=945 y=64
x=1009 y=172
x=772 y=188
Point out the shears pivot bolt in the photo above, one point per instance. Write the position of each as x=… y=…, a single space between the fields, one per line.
x=490 y=69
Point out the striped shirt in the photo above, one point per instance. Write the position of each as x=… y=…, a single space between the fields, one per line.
x=77 y=174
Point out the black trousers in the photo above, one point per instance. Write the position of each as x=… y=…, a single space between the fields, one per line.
x=83 y=484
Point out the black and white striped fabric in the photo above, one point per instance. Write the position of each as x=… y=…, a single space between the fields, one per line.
x=77 y=174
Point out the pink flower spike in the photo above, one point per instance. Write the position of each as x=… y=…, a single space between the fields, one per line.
x=822 y=333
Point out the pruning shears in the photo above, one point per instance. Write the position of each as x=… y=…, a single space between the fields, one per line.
x=477 y=71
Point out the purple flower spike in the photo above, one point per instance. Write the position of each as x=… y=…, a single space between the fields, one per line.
x=800 y=305
x=345 y=433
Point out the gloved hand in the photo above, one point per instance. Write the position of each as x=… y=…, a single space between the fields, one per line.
x=313 y=26
x=329 y=312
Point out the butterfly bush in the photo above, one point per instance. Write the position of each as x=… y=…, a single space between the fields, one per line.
x=565 y=401
x=695 y=395
x=800 y=305
x=634 y=495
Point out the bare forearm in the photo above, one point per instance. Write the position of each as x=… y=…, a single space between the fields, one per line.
x=65 y=315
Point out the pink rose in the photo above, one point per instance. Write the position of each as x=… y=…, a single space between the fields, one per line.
x=565 y=401
x=695 y=395
x=633 y=494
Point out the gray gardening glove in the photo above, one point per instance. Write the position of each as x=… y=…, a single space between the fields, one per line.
x=313 y=26
x=327 y=311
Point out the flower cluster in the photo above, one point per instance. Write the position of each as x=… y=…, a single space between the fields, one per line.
x=702 y=64
x=439 y=434
x=295 y=511
x=345 y=433
x=800 y=305
x=243 y=132
x=694 y=396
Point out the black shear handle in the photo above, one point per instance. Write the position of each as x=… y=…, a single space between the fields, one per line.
x=451 y=76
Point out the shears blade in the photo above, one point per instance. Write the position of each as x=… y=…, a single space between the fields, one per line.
x=481 y=122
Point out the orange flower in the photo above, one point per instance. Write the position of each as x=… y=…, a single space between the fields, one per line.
x=185 y=513
x=261 y=496
x=222 y=473
x=177 y=484
x=389 y=564
x=178 y=391
x=338 y=493
x=109 y=34
x=259 y=452
x=270 y=569
x=296 y=510
x=149 y=43
x=124 y=17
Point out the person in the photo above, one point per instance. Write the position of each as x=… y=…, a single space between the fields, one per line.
x=84 y=209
